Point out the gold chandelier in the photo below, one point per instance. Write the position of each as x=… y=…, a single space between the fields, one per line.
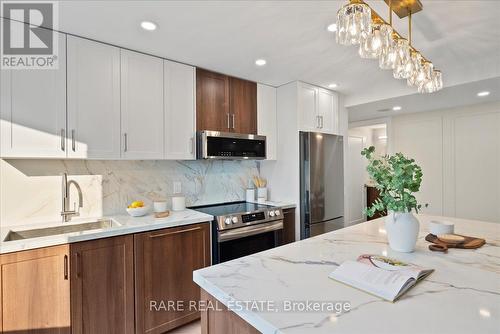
x=358 y=24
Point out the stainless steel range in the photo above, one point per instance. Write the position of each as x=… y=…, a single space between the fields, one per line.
x=243 y=228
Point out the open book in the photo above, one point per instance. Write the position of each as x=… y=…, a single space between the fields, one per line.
x=379 y=275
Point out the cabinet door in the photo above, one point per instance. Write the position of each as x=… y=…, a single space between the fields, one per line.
x=33 y=111
x=308 y=116
x=165 y=260
x=328 y=111
x=267 y=118
x=243 y=105
x=35 y=291
x=93 y=99
x=288 y=226
x=180 y=114
x=212 y=101
x=142 y=106
x=102 y=286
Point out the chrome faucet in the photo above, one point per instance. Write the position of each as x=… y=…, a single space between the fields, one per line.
x=66 y=213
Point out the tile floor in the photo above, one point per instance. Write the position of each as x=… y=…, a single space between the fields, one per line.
x=191 y=328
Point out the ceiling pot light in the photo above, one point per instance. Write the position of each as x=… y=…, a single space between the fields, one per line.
x=396 y=108
x=332 y=27
x=260 y=62
x=333 y=85
x=148 y=25
x=483 y=94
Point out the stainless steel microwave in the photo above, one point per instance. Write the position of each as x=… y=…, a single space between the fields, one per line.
x=227 y=145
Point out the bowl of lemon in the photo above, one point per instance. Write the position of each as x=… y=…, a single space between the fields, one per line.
x=137 y=209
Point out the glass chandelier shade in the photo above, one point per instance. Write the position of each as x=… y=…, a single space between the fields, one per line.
x=427 y=84
x=402 y=67
x=388 y=50
x=370 y=46
x=438 y=80
x=353 y=23
x=414 y=78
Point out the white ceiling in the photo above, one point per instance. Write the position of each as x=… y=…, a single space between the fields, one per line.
x=462 y=38
x=449 y=97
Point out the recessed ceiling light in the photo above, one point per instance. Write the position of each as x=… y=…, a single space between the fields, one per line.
x=396 y=108
x=260 y=62
x=332 y=27
x=148 y=25
x=333 y=85
x=483 y=94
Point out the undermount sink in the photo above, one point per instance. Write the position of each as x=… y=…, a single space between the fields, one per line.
x=60 y=229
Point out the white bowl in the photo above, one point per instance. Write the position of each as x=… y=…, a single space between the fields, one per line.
x=138 y=212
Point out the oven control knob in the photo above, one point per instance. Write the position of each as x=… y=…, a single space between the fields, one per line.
x=271 y=213
x=235 y=220
x=227 y=221
x=277 y=212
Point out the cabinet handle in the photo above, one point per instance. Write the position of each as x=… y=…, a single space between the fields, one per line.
x=125 y=142
x=78 y=265
x=63 y=140
x=228 y=124
x=233 y=120
x=66 y=267
x=321 y=118
x=191 y=142
x=152 y=236
x=73 y=144
x=317 y=121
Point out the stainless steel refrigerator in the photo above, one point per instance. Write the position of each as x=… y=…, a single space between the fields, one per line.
x=321 y=183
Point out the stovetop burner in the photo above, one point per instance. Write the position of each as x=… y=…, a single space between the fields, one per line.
x=232 y=208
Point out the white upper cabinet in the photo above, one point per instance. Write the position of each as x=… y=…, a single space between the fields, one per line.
x=308 y=100
x=180 y=112
x=328 y=111
x=318 y=109
x=33 y=111
x=93 y=100
x=267 y=118
x=142 y=106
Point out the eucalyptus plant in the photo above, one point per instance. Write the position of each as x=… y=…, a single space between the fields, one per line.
x=397 y=178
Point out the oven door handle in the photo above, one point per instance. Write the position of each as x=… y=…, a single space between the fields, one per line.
x=250 y=230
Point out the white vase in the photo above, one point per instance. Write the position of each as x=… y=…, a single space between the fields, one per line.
x=402 y=231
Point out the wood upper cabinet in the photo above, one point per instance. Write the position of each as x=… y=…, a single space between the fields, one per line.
x=164 y=264
x=102 y=286
x=35 y=291
x=243 y=105
x=212 y=101
x=142 y=112
x=93 y=99
x=180 y=113
x=225 y=103
x=33 y=110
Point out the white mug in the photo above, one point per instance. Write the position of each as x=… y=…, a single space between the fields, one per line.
x=178 y=203
x=160 y=206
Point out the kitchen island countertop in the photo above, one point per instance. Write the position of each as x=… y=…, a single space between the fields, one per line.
x=462 y=295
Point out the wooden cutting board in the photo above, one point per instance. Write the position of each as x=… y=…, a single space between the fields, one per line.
x=468 y=243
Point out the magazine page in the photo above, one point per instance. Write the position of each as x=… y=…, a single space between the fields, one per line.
x=389 y=264
x=379 y=282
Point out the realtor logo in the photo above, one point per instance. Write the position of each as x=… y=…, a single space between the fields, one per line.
x=28 y=39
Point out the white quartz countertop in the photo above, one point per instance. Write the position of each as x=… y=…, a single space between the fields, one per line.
x=283 y=205
x=462 y=295
x=126 y=225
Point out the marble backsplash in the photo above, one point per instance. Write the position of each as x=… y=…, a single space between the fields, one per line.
x=30 y=190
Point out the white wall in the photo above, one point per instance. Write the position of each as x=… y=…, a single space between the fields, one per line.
x=459 y=152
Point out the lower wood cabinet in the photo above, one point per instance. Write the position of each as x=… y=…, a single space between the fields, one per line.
x=288 y=226
x=164 y=264
x=102 y=286
x=35 y=291
x=88 y=287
